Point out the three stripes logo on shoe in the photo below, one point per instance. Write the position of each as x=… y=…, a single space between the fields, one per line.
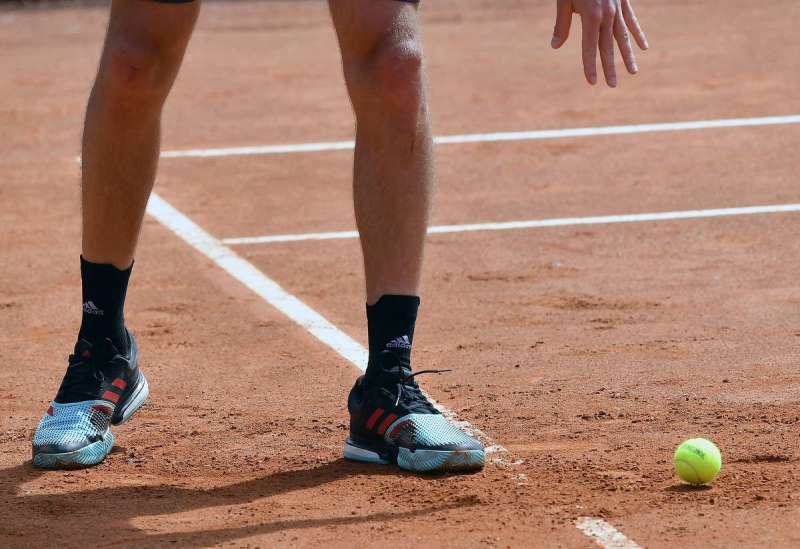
x=113 y=396
x=383 y=425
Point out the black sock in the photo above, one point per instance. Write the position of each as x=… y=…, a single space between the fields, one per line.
x=104 y=289
x=390 y=324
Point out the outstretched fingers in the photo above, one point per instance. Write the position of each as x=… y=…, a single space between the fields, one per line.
x=603 y=22
x=632 y=22
x=624 y=42
x=563 y=23
x=607 y=48
x=591 y=21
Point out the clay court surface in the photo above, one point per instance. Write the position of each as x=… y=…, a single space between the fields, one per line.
x=587 y=352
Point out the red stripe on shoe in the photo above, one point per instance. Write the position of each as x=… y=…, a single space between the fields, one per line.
x=50 y=411
x=101 y=408
x=399 y=426
x=119 y=384
x=385 y=423
x=109 y=395
x=374 y=417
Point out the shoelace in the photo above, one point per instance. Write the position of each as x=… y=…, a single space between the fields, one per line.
x=408 y=387
x=83 y=377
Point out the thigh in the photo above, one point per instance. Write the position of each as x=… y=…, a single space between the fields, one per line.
x=362 y=25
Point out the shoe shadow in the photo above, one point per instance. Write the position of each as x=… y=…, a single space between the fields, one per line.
x=30 y=520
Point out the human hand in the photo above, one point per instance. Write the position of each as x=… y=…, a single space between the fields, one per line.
x=603 y=22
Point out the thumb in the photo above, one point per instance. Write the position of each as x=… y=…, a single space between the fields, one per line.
x=563 y=23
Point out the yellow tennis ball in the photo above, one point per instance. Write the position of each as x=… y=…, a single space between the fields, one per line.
x=697 y=461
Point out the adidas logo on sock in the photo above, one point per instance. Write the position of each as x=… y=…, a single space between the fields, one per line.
x=91 y=309
x=399 y=343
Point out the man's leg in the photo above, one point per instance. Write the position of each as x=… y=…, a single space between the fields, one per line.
x=144 y=47
x=142 y=53
x=391 y=420
x=393 y=179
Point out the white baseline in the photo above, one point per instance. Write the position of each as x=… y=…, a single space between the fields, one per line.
x=532 y=224
x=604 y=534
x=495 y=137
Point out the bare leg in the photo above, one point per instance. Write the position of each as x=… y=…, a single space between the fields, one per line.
x=141 y=57
x=393 y=173
x=393 y=183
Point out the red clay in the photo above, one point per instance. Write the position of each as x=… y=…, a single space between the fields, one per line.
x=589 y=352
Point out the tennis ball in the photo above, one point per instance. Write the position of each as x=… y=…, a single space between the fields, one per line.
x=697 y=461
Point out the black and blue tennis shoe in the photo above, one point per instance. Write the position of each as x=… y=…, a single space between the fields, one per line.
x=393 y=421
x=102 y=387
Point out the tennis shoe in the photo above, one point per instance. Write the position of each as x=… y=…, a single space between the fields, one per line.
x=102 y=387
x=393 y=421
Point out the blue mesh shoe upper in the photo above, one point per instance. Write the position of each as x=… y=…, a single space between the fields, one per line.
x=430 y=432
x=389 y=410
x=69 y=427
x=102 y=387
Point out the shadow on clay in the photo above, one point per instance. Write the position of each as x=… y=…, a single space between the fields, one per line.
x=59 y=513
x=684 y=488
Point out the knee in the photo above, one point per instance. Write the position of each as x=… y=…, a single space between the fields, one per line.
x=135 y=76
x=390 y=79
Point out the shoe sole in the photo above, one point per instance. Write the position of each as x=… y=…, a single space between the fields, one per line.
x=87 y=456
x=96 y=452
x=420 y=461
x=133 y=403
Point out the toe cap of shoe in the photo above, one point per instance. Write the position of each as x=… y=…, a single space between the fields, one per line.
x=62 y=447
x=67 y=428
x=431 y=432
x=466 y=445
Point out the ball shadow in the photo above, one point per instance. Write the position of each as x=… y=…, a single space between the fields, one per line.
x=688 y=488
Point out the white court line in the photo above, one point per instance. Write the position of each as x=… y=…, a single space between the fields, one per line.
x=557 y=222
x=317 y=325
x=604 y=534
x=494 y=137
